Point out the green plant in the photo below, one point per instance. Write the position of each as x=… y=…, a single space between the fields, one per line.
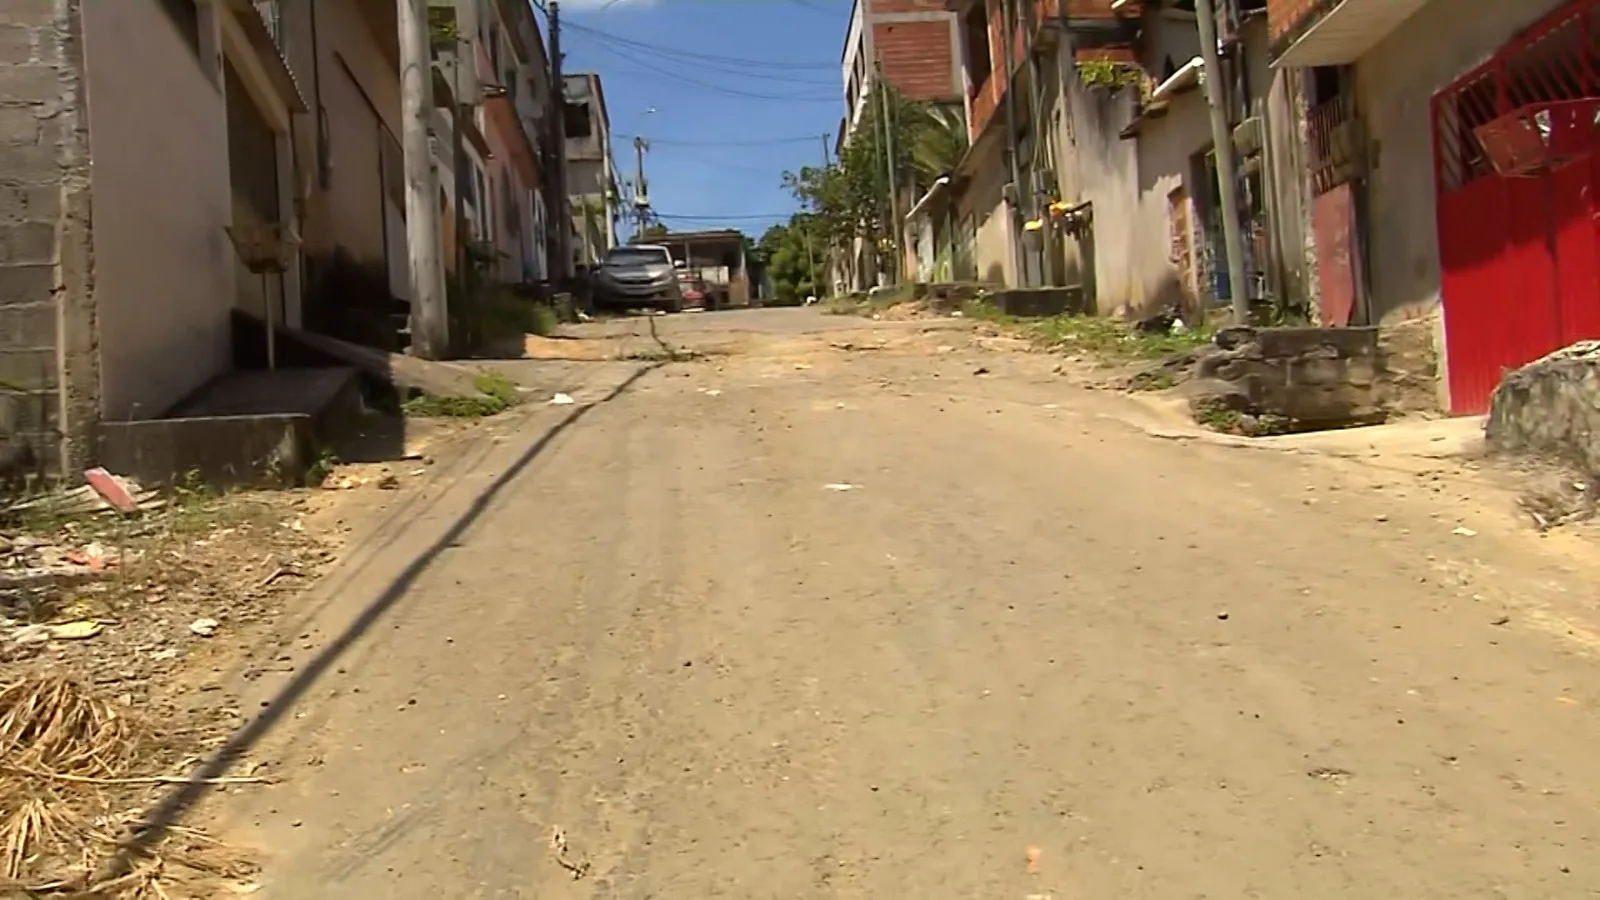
x=849 y=198
x=1109 y=339
x=495 y=394
x=322 y=467
x=1107 y=74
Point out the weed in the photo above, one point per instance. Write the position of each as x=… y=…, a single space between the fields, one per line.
x=322 y=467
x=1157 y=381
x=495 y=394
x=1219 y=418
x=1109 y=339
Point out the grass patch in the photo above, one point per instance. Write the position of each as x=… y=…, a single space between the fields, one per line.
x=495 y=394
x=1109 y=339
x=865 y=304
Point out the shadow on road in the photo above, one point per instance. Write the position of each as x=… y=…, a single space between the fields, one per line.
x=184 y=796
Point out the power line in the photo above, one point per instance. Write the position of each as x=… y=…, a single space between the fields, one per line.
x=710 y=64
x=699 y=57
x=740 y=218
x=716 y=88
x=799 y=139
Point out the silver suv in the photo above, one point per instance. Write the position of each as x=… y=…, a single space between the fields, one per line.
x=641 y=275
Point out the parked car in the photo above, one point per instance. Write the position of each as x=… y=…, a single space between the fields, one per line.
x=641 y=275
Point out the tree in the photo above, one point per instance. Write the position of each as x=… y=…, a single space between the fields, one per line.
x=849 y=199
x=938 y=141
x=655 y=231
x=795 y=267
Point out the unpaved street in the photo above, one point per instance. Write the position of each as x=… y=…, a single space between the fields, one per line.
x=1031 y=651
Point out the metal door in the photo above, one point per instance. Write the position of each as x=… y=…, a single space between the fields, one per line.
x=1519 y=253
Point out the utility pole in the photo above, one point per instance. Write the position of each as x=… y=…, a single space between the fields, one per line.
x=430 y=319
x=1222 y=142
x=641 y=188
x=816 y=285
x=1013 y=214
x=561 y=203
x=888 y=166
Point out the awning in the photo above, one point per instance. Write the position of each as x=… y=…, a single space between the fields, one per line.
x=938 y=188
x=1187 y=78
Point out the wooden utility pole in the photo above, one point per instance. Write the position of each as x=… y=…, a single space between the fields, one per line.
x=430 y=319
x=1222 y=143
x=560 y=203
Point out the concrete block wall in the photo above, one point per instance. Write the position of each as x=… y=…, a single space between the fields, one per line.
x=48 y=377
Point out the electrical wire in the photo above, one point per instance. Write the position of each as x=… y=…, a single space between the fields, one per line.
x=770 y=142
x=715 y=88
x=739 y=218
x=697 y=56
x=709 y=64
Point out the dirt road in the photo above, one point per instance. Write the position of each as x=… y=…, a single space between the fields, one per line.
x=1031 y=651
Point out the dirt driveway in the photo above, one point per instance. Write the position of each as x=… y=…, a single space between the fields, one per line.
x=891 y=614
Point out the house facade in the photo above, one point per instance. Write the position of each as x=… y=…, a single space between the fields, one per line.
x=120 y=278
x=1407 y=103
x=916 y=44
x=1394 y=159
x=506 y=188
x=1019 y=60
x=913 y=45
x=591 y=168
x=150 y=149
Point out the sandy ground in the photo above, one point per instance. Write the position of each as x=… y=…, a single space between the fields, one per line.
x=1034 y=649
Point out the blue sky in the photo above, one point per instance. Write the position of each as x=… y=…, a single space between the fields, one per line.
x=746 y=91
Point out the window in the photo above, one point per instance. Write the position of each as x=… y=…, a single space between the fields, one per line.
x=976 y=30
x=575 y=116
x=508 y=207
x=185 y=16
x=485 y=212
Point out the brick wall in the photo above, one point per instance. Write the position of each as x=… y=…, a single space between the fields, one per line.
x=919 y=58
x=48 y=376
x=887 y=7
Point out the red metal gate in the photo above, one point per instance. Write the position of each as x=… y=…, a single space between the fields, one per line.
x=1517 y=167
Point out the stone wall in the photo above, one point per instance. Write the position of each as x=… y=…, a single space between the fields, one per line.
x=49 y=383
x=1300 y=379
x=1550 y=408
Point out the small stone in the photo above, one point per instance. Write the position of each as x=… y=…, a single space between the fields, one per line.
x=1380 y=517
x=1222 y=615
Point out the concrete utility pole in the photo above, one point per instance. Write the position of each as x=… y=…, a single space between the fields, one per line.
x=560 y=202
x=430 y=319
x=641 y=188
x=887 y=118
x=1222 y=142
x=1014 y=212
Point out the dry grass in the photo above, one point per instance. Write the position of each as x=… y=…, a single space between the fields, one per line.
x=74 y=777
